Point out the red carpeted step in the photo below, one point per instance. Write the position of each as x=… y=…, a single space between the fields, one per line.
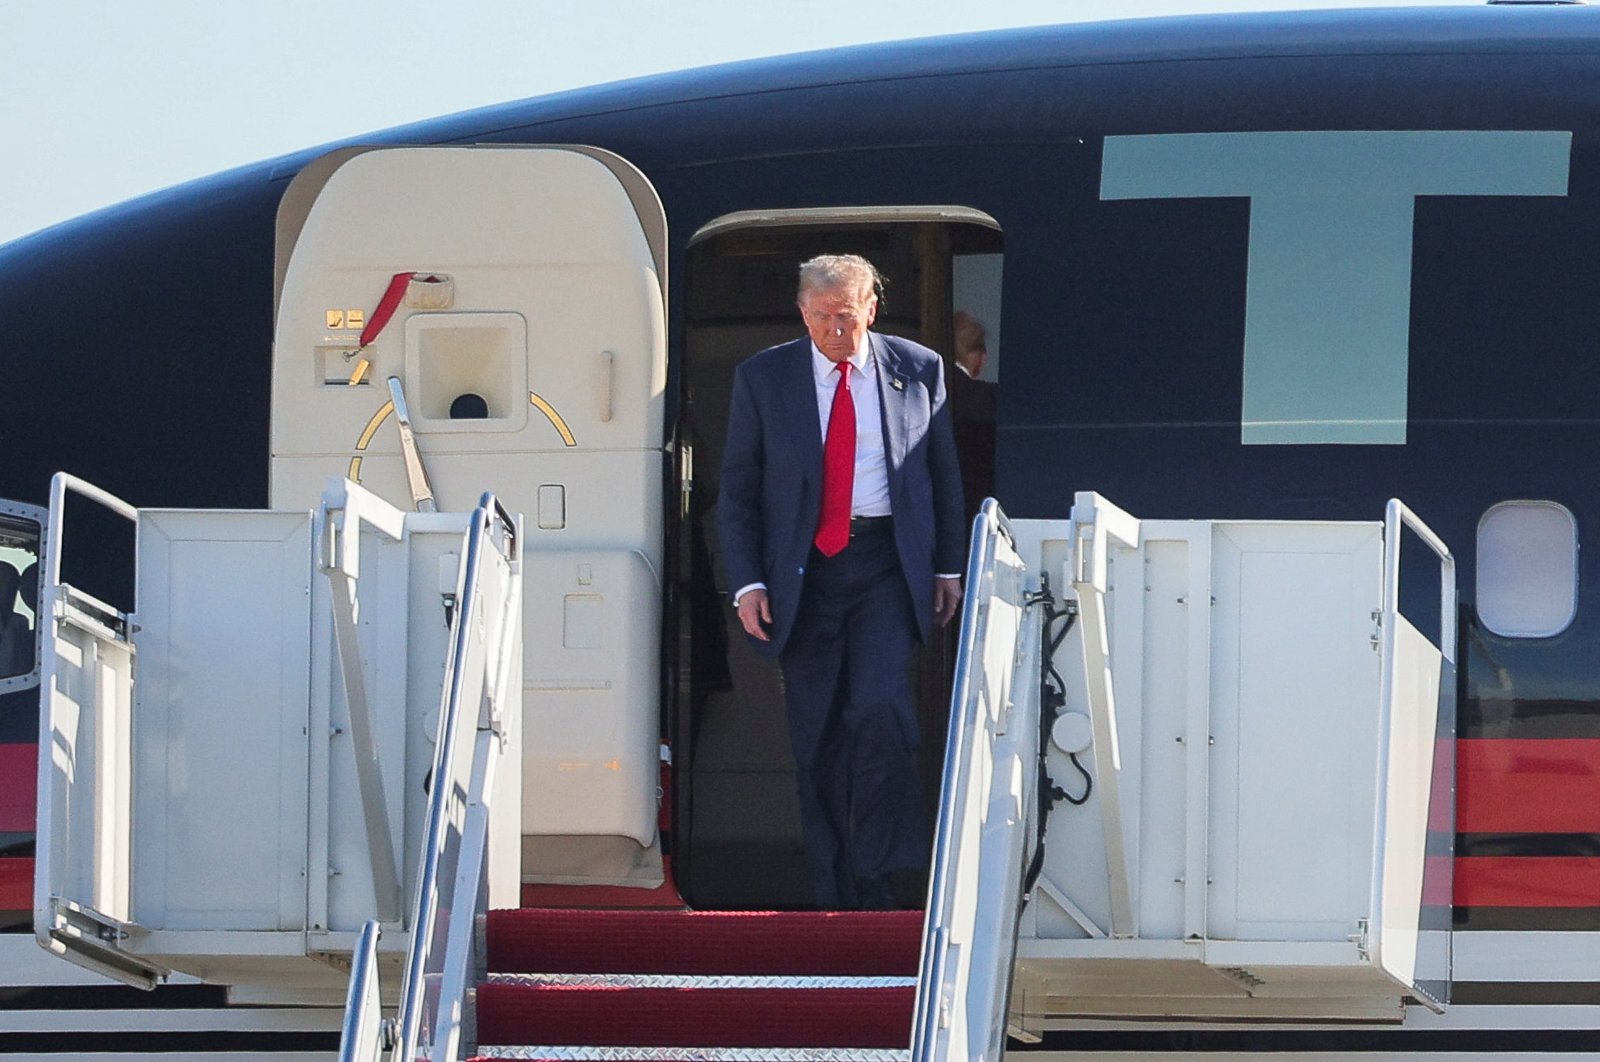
x=778 y=943
x=695 y=1017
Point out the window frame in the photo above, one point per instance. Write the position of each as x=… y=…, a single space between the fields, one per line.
x=41 y=517
x=1478 y=589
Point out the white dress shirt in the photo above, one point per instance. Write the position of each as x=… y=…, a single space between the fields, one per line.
x=870 y=492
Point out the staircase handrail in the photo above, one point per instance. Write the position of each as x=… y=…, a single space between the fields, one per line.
x=432 y=989
x=1395 y=515
x=365 y=1035
x=967 y=716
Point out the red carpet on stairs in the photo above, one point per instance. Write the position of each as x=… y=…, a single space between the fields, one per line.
x=823 y=945
x=695 y=1017
x=776 y=943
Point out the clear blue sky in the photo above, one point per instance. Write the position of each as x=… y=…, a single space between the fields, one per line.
x=103 y=100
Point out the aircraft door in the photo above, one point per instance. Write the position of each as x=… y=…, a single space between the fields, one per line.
x=458 y=319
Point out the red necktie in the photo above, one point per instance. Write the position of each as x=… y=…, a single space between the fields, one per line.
x=838 y=469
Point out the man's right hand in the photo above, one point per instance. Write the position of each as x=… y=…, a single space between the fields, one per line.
x=754 y=611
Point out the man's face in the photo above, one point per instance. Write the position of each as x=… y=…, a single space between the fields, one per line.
x=837 y=318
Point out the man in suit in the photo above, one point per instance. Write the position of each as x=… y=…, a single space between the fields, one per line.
x=840 y=515
x=972 y=409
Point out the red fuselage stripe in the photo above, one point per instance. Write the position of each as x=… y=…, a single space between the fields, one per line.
x=19 y=776
x=1528 y=785
x=1480 y=881
x=1527 y=881
x=16 y=884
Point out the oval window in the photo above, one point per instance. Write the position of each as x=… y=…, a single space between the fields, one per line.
x=1527 y=568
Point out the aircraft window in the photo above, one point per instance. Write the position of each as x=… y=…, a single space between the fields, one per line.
x=19 y=598
x=1527 y=569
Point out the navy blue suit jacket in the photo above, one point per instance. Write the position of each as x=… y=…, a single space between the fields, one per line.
x=771 y=490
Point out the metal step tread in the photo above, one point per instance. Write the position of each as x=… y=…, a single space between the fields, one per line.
x=698 y=1054
x=708 y=981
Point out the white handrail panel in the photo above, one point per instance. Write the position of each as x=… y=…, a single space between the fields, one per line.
x=988 y=809
x=81 y=900
x=1409 y=935
x=483 y=666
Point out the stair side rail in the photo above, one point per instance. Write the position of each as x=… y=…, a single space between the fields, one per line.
x=82 y=904
x=432 y=1021
x=1409 y=935
x=1098 y=528
x=366 y=1034
x=987 y=812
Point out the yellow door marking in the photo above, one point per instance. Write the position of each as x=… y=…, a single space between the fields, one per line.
x=555 y=418
x=354 y=475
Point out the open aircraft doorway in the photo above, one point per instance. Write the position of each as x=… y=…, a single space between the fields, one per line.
x=737 y=822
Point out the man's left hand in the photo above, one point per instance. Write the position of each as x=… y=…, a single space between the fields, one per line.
x=946 y=599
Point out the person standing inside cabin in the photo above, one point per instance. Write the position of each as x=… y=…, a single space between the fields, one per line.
x=16 y=636
x=841 y=527
x=973 y=402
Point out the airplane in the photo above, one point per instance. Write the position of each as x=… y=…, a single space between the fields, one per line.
x=1279 y=307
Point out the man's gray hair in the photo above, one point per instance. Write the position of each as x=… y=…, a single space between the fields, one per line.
x=832 y=272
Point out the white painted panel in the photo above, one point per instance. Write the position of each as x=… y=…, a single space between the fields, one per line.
x=1527 y=956
x=1405 y=950
x=392 y=654
x=86 y=790
x=220 y=749
x=1165 y=682
x=1300 y=599
x=1125 y=575
x=591 y=755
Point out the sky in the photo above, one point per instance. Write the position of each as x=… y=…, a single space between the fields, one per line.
x=104 y=100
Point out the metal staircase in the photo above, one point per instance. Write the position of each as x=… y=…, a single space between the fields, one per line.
x=1096 y=853
x=227 y=773
x=670 y=984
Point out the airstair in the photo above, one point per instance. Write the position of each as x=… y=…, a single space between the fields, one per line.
x=1083 y=868
x=302 y=716
x=1197 y=770
x=1203 y=772
x=1006 y=915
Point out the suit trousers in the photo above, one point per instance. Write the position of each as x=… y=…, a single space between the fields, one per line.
x=852 y=720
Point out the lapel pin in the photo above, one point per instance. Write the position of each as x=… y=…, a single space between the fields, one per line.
x=898 y=384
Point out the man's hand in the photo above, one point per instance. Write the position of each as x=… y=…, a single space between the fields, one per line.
x=754 y=611
x=946 y=599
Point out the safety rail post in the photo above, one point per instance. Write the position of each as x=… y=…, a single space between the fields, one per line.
x=431 y=1014
x=1096 y=525
x=1396 y=514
